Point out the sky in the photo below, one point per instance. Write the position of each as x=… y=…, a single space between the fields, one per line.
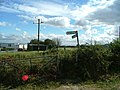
x=95 y=20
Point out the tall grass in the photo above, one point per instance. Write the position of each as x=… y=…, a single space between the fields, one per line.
x=92 y=63
x=19 y=54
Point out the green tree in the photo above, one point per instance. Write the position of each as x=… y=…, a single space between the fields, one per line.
x=115 y=47
x=49 y=42
x=35 y=41
x=33 y=45
x=57 y=41
x=115 y=59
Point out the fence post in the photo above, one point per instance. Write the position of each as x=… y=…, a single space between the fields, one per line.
x=57 y=63
x=57 y=60
x=30 y=64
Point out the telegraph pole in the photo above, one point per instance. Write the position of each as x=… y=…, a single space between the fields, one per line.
x=38 y=34
x=39 y=22
x=119 y=32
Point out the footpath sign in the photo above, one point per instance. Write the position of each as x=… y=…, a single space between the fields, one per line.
x=71 y=32
x=74 y=36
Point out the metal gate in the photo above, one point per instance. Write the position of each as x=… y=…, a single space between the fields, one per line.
x=34 y=67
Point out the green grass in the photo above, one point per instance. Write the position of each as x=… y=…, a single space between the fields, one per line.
x=21 y=55
x=112 y=83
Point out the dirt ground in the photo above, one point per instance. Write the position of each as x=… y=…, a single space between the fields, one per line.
x=71 y=87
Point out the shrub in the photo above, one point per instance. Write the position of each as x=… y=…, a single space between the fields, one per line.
x=115 y=59
x=92 y=63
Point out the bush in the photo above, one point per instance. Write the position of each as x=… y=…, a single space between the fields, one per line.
x=92 y=63
x=115 y=59
x=85 y=63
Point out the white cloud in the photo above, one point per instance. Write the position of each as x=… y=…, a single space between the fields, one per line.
x=8 y=9
x=14 y=38
x=3 y=23
x=26 y=9
x=25 y=22
x=93 y=5
x=96 y=15
x=108 y=15
x=102 y=34
x=100 y=4
x=41 y=8
x=87 y=11
x=25 y=38
x=50 y=8
x=18 y=29
x=104 y=38
x=8 y=38
x=54 y=21
x=26 y=17
x=2 y=36
x=82 y=22
x=59 y=21
x=66 y=39
x=57 y=9
x=81 y=12
x=94 y=31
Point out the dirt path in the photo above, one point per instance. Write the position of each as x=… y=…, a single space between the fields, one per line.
x=71 y=87
x=76 y=88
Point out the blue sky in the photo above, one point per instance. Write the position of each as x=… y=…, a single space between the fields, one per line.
x=93 y=19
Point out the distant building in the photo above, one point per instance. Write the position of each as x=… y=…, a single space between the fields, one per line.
x=8 y=46
x=34 y=47
x=22 y=47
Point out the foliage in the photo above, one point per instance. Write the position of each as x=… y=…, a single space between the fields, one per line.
x=49 y=42
x=115 y=59
x=115 y=46
x=13 y=68
x=35 y=41
x=86 y=63
x=6 y=49
x=92 y=62
x=46 y=44
x=57 y=41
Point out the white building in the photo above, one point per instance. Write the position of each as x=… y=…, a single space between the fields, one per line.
x=8 y=45
x=13 y=46
x=22 y=46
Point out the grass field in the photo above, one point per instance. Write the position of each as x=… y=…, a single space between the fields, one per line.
x=112 y=83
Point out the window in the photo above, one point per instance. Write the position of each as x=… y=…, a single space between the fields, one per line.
x=9 y=45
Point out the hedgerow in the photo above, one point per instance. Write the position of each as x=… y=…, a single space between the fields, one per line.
x=92 y=62
x=89 y=62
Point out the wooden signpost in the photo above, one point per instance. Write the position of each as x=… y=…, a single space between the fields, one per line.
x=71 y=32
x=74 y=36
